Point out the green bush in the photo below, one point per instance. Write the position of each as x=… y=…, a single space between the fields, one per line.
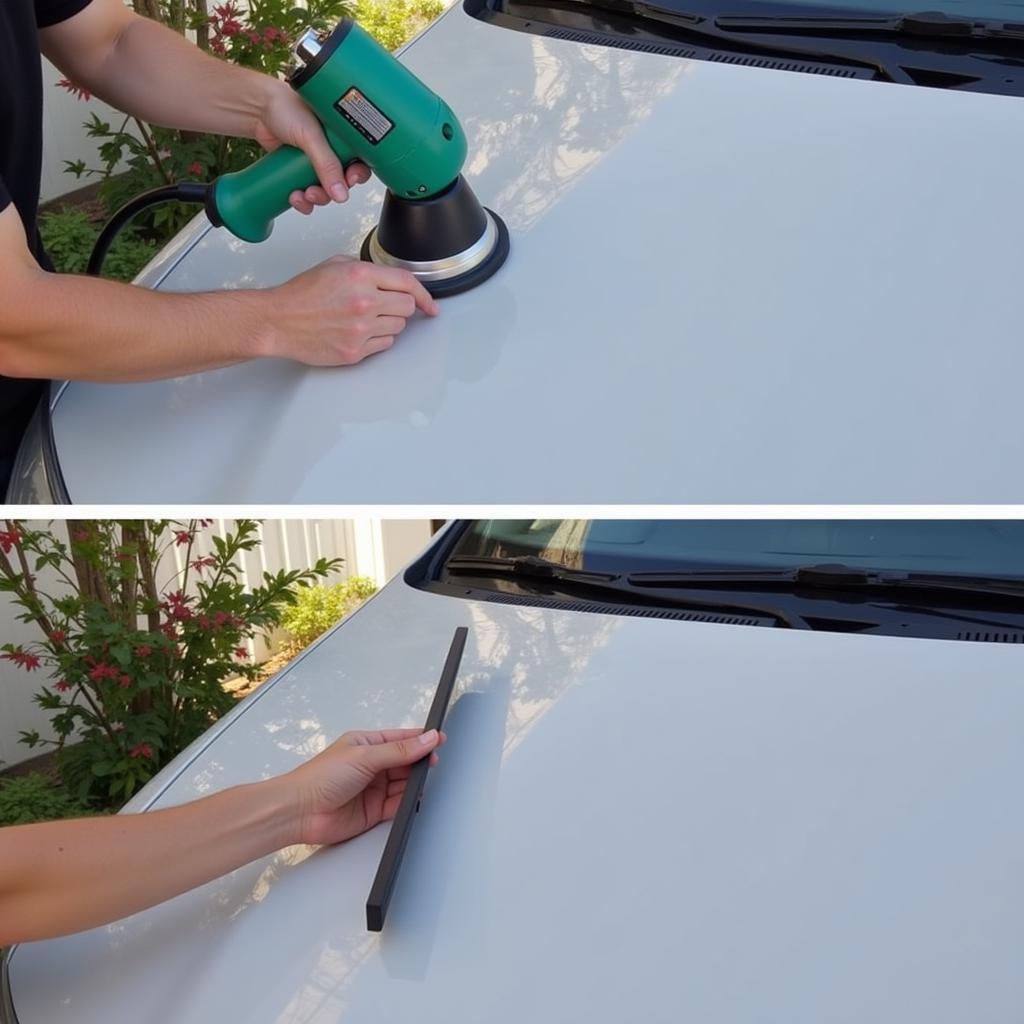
x=394 y=22
x=69 y=235
x=33 y=797
x=318 y=608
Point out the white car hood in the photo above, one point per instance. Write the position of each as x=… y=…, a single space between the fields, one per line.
x=726 y=284
x=633 y=820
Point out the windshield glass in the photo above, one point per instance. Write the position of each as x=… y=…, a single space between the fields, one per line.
x=950 y=547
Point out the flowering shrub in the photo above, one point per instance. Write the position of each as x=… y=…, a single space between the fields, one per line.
x=136 y=668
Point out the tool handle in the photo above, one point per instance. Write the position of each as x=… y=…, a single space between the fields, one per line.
x=247 y=201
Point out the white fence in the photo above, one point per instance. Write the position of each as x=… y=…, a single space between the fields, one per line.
x=370 y=547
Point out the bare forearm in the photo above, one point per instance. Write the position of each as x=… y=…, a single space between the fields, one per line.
x=151 y=72
x=66 y=876
x=82 y=328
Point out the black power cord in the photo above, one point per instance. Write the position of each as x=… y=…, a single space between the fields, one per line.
x=182 y=192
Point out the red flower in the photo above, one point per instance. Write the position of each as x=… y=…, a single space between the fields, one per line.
x=29 y=662
x=206 y=562
x=143 y=651
x=254 y=37
x=102 y=671
x=58 y=636
x=8 y=538
x=241 y=652
x=141 y=750
x=196 y=169
x=63 y=685
x=82 y=536
x=218 y=46
x=76 y=90
x=124 y=682
x=182 y=537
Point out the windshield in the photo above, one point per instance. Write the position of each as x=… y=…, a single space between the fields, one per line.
x=950 y=547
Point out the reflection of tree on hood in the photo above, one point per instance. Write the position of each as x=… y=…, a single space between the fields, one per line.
x=561 y=117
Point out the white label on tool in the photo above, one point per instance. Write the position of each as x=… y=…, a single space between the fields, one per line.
x=364 y=116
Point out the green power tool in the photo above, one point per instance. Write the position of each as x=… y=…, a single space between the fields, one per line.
x=373 y=109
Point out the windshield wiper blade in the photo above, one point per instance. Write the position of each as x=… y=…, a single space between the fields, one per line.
x=401 y=827
x=530 y=566
x=834 y=576
x=702 y=27
x=616 y=585
x=924 y=24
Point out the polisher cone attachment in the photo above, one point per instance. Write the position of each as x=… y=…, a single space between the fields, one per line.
x=449 y=241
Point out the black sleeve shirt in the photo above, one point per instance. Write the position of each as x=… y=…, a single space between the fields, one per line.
x=21 y=146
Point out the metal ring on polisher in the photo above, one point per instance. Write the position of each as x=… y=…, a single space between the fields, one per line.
x=442 y=269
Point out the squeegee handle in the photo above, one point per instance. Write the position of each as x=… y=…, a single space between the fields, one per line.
x=247 y=201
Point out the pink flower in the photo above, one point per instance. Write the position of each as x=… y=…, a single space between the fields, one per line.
x=76 y=90
x=206 y=562
x=182 y=537
x=63 y=686
x=29 y=662
x=82 y=536
x=124 y=682
x=143 y=651
x=141 y=750
x=8 y=538
x=58 y=636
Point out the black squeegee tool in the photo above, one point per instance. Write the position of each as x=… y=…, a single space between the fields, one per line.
x=401 y=827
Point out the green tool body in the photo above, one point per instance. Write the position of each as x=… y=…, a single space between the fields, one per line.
x=373 y=109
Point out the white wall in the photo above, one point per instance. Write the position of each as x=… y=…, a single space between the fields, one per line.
x=371 y=547
x=64 y=138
